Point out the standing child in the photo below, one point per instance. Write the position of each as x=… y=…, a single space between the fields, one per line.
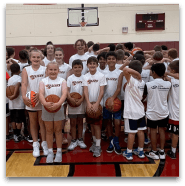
x=31 y=77
x=134 y=114
x=53 y=121
x=157 y=109
x=102 y=64
x=23 y=60
x=76 y=114
x=94 y=83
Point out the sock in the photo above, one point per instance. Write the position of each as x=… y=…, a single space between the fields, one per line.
x=98 y=141
x=59 y=149
x=73 y=140
x=94 y=139
x=161 y=150
x=140 y=149
x=173 y=150
x=129 y=150
x=50 y=150
x=154 y=151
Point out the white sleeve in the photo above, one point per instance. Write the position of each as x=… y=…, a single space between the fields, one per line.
x=68 y=68
x=70 y=61
x=69 y=82
x=84 y=82
x=103 y=81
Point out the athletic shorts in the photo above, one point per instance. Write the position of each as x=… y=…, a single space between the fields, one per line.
x=97 y=121
x=7 y=110
x=132 y=126
x=57 y=116
x=17 y=115
x=108 y=115
x=173 y=127
x=76 y=115
x=157 y=123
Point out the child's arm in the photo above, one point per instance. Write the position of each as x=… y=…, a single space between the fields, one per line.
x=86 y=95
x=151 y=52
x=166 y=59
x=106 y=49
x=128 y=72
x=72 y=100
x=16 y=91
x=124 y=65
x=175 y=75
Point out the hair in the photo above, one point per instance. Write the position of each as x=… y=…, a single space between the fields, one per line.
x=111 y=53
x=27 y=47
x=59 y=49
x=23 y=54
x=173 y=53
x=159 y=69
x=103 y=54
x=158 y=56
x=96 y=47
x=82 y=42
x=140 y=58
x=164 y=47
x=90 y=43
x=77 y=62
x=34 y=50
x=174 y=65
x=140 y=52
x=15 y=68
x=52 y=63
x=158 y=48
x=92 y=59
x=112 y=47
x=120 y=54
x=10 y=51
x=49 y=43
x=119 y=46
x=128 y=45
x=136 y=65
x=127 y=54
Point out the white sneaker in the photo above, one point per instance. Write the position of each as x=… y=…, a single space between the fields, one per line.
x=58 y=157
x=81 y=144
x=44 y=148
x=72 y=145
x=153 y=155
x=50 y=157
x=36 y=150
x=162 y=155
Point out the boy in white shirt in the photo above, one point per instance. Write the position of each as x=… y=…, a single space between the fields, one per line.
x=157 y=109
x=76 y=114
x=94 y=83
x=134 y=114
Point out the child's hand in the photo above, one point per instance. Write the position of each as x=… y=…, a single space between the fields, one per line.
x=110 y=103
x=27 y=101
x=55 y=106
x=89 y=106
x=72 y=101
x=151 y=62
x=11 y=97
x=78 y=102
x=95 y=107
x=48 y=105
x=36 y=97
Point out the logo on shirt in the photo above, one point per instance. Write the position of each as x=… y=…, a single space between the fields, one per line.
x=175 y=85
x=62 y=72
x=112 y=79
x=90 y=81
x=154 y=87
x=141 y=87
x=48 y=86
x=36 y=76
x=76 y=82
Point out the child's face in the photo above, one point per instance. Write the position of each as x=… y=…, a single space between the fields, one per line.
x=92 y=66
x=111 y=61
x=77 y=69
x=52 y=71
x=59 y=56
x=80 y=47
x=102 y=62
x=50 y=49
x=35 y=58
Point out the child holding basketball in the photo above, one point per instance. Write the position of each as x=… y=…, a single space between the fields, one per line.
x=134 y=114
x=94 y=83
x=77 y=113
x=53 y=85
x=31 y=77
x=114 y=79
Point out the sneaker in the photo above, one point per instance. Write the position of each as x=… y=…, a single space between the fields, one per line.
x=58 y=157
x=162 y=155
x=103 y=136
x=110 y=148
x=72 y=145
x=92 y=148
x=44 y=148
x=115 y=144
x=147 y=141
x=153 y=155
x=140 y=154
x=19 y=138
x=36 y=150
x=50 y=157
x=127 y=155
x=8 y=137
x=29 y=139
x=15 y=137
x=97 y=151
x=81 y=143
x=64 y=141
x=171 y=154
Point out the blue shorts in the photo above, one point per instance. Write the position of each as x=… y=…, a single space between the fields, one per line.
x=108 y=115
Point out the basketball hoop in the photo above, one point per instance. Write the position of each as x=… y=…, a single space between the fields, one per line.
x=83 y=25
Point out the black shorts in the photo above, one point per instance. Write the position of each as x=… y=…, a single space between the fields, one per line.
x=17 y=115
x=7 y=109
x=157 y=123
x=76 y=115
x=173 y=127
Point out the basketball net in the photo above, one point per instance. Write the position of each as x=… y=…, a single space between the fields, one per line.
x=83 y=25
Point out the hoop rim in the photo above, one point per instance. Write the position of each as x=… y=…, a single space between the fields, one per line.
x=83 y=24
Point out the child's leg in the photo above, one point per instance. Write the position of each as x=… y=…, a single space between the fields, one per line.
x=162 y=137
x=153 y=132
x=49 y=133
x=109 y=127
x=131 y=139
x=97 y=131
x=117 y=125
x=18 y=126
x=80 y=127
x=42 y=126
x=7 y=125
x=141 y=138
x=73 y=128
x=58 y=133
x=175 y=139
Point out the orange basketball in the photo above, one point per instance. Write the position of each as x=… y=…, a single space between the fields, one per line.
x=10 y=90
x=94 y=115
x=76 y=96
x=30 y=95
x=116 y=105
x=135 y=50
x=52 y=98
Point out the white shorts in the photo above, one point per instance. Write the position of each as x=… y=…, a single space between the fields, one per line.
x=132 y=126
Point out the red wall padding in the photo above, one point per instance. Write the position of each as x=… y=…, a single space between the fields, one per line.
x=69 y=49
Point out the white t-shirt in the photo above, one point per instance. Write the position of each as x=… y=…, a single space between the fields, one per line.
x=173 y=100
x=157 y=93
x=94 y=82
x=75 y=84
x=21 y=67
x=34 y=78
x=63 y=70
x=46 y=61
x=18 y=102
x=112 y=82
x=84 y=59
x=102 y=71
x=91 y=54
x=133 y=107
x=145 y=75
x=146 y=64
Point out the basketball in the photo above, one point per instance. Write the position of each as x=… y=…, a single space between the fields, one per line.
x=116 y=105
x=52 y=98
x=94 y=115
x=10 y=90
x=30 y=95
x=76 y=96
x=135 y=50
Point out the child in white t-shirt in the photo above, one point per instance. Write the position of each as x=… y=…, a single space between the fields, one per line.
x=102 y=64
x=23 y=60
x=76 y=114
x=94 y=83
x=50 y=53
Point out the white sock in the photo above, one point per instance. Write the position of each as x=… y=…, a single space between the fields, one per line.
x=173 y=150
x=59 y=149
x=161 y=150
x=98 y=141
x=94 y=139
x=140 y=149
x=50 y=150
x=129 y=150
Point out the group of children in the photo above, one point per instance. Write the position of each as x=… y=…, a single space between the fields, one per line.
x=146 y=82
